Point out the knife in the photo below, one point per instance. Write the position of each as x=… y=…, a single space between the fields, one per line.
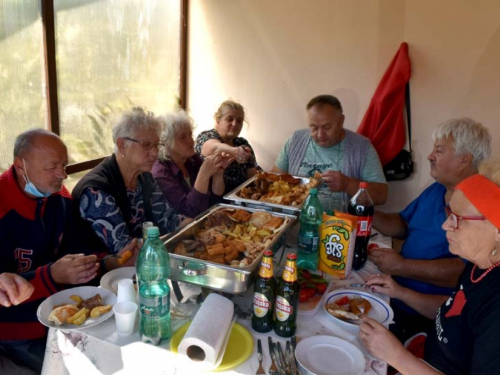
x=286 y=367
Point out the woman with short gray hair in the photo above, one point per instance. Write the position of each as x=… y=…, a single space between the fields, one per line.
x=117 y=196
x=190 y=183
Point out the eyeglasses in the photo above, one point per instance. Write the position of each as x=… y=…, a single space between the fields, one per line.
x=456 y=218
x=146 y=145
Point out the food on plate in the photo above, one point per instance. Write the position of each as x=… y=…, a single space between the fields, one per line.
x=349 y=308
x=281 y=189
x=231 y=236
x=59 y=315
x=311 y=284
x=92 y=302
x=78 y=318
x=77 y=314
x=99 y=310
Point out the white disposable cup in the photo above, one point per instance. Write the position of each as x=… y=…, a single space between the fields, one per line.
x=126 y=291
x=125 y=313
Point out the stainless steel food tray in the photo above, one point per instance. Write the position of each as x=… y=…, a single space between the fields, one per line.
x=281 y=208
x=214 y=275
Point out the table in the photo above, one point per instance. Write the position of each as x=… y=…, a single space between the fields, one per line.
x=99 y=350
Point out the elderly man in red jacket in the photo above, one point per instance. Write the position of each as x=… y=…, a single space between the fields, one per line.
x=34 y=208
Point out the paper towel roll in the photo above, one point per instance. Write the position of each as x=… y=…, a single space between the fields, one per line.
x=205 y=340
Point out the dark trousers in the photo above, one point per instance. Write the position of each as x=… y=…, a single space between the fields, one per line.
x=407 y=325
x=28 y=353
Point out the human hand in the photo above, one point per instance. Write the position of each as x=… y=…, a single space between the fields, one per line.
x=14 y=289
x=379 y=341
x=210 y=166
x=74 y=269
x=388 y=260
x=384 y=284
x=243 y=154
x=226 y=159
x=335 y=180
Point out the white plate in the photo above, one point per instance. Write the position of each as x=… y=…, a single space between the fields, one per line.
x=62 y=298
x=326 y=355
x=381 y=311
x=111 y=278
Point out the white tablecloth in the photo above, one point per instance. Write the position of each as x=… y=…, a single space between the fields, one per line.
x=99 y=350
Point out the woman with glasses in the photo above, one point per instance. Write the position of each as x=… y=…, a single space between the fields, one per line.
x=225 y=138
x=465 y=336
x=190 y=183
x=116 y=197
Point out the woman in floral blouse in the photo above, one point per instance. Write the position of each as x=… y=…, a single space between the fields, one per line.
x=224 y=138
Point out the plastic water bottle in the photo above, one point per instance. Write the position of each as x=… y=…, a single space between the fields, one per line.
x=153 y=270
x=361 y=205
x=311 y=217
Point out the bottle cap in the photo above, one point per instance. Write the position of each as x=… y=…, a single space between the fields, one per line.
x=153 y=231
x=291 y=256
x=363 y=184
x=313 y=191
x=268 y=253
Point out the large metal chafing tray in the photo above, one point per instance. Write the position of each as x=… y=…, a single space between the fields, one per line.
x=245 y=202
x=214 y=275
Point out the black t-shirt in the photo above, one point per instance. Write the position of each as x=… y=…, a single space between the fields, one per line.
x=466 y=338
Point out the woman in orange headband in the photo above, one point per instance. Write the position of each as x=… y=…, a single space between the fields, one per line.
x=466 y=335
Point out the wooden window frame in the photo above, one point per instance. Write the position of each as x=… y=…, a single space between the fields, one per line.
x=49 y=48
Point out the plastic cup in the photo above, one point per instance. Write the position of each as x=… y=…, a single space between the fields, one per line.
x=126 y=291
x=125 y=313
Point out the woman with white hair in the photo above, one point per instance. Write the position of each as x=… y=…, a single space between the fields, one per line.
x=464 y=337
x=117 y=196
x=190 y=183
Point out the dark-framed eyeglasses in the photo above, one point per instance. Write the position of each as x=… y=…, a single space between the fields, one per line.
x=454 y=218
x=146 y=145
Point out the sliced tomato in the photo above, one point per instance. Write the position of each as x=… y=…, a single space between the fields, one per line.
x=342 y=301
x=306 y=294
x=321 y=288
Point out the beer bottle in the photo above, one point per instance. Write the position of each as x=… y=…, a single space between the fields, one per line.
x=264 y=295
x=287 y=299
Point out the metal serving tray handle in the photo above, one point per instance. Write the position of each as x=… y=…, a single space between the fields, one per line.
x=211 y=275
x=268 y=206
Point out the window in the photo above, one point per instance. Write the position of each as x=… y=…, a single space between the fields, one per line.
x=22 y=80
x=110 y=55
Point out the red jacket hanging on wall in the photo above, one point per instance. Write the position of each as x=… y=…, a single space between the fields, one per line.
x=384 y=120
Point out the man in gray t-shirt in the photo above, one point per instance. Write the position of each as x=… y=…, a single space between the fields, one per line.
x=343 y=158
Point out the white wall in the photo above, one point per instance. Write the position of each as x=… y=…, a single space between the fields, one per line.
x=274 y=55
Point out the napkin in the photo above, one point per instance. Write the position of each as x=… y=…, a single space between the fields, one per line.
x=205 y=341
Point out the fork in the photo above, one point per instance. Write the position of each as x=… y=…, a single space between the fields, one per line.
x=260 y=370
x=273 y=370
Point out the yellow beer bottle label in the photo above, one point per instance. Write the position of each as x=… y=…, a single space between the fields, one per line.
x=266 y=267
x=290 y=272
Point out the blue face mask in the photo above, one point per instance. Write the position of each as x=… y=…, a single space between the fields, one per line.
x=30 y=188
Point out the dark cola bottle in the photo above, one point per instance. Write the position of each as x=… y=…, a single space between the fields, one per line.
x=361 y=205
x=287 y=299
x=263 y=295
